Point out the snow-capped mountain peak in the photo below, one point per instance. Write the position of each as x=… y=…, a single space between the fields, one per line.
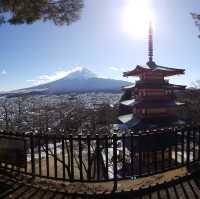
x=79 y=79
x=80 y=73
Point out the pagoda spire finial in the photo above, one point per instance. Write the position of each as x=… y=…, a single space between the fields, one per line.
x=150 y=45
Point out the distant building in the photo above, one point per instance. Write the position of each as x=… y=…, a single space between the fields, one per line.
x=150 y=102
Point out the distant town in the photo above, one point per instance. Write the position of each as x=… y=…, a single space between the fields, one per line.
x=46 y=112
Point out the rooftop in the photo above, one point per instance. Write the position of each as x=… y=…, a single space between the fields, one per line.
x=166 y=71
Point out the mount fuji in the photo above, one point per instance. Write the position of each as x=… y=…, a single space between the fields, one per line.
x=78 y=80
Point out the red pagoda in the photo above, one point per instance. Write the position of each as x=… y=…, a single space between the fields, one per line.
x=151 y=101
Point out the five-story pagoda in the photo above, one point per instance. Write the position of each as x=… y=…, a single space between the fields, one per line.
x=151 y=101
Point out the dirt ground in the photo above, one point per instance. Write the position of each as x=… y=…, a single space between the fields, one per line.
x=28 y=188
x=124 y=185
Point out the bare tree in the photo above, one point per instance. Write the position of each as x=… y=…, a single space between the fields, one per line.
x=7 y=113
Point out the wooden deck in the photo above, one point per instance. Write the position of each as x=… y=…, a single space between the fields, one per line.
x=173 y=184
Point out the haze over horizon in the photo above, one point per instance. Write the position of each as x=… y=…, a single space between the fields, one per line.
x=44 y=52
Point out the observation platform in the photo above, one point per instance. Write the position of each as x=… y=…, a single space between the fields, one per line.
x=177 y=183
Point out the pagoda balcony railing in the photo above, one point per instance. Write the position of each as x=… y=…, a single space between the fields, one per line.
x=98 y=158
x=170 y=114
x=152 y=81
x=156 y=97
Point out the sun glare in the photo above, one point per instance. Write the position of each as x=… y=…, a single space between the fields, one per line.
x=136 y=16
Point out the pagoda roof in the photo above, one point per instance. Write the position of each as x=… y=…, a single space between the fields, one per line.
x=125 y=118
x=128 y=87
x=129 y=120
x=167 y=71
x=128 y=102
x=142 y=123
x=176 y=87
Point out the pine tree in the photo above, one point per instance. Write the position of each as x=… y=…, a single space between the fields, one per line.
x=196 y=18
x=61 y=12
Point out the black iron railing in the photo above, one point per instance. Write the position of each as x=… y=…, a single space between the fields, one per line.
x=103 y=157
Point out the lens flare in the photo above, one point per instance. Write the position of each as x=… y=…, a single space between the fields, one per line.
x=136 y=16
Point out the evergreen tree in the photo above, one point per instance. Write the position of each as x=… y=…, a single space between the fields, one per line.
x=28 y=11
x=196 y=18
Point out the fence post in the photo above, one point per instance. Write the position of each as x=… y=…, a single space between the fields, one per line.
x=140 y=156
x=71 y=158
x=32 y=155
x=170 y=133
x=39 y=155
x=26 y=151
x=63 y=158
x=55 y=156
x=198 y=133
x=80 y=157
x=98 y=154
x=115 y=160
x=194 y=143
x=176 y=146
x=106 y=156
x=124 y=154
x=89 y=158
x=132 y=155
x=188 y=147
x=47 y=153
x=182 y=145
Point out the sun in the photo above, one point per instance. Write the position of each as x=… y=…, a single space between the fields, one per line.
x=136 y=16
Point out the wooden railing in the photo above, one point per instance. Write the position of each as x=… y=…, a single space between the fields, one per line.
x=105 y=157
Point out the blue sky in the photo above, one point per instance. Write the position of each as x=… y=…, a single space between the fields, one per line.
x=43 y=51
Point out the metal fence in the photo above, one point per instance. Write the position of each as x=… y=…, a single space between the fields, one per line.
x=101 y=157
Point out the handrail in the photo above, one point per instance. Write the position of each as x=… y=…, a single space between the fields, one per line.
x=95 y=158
